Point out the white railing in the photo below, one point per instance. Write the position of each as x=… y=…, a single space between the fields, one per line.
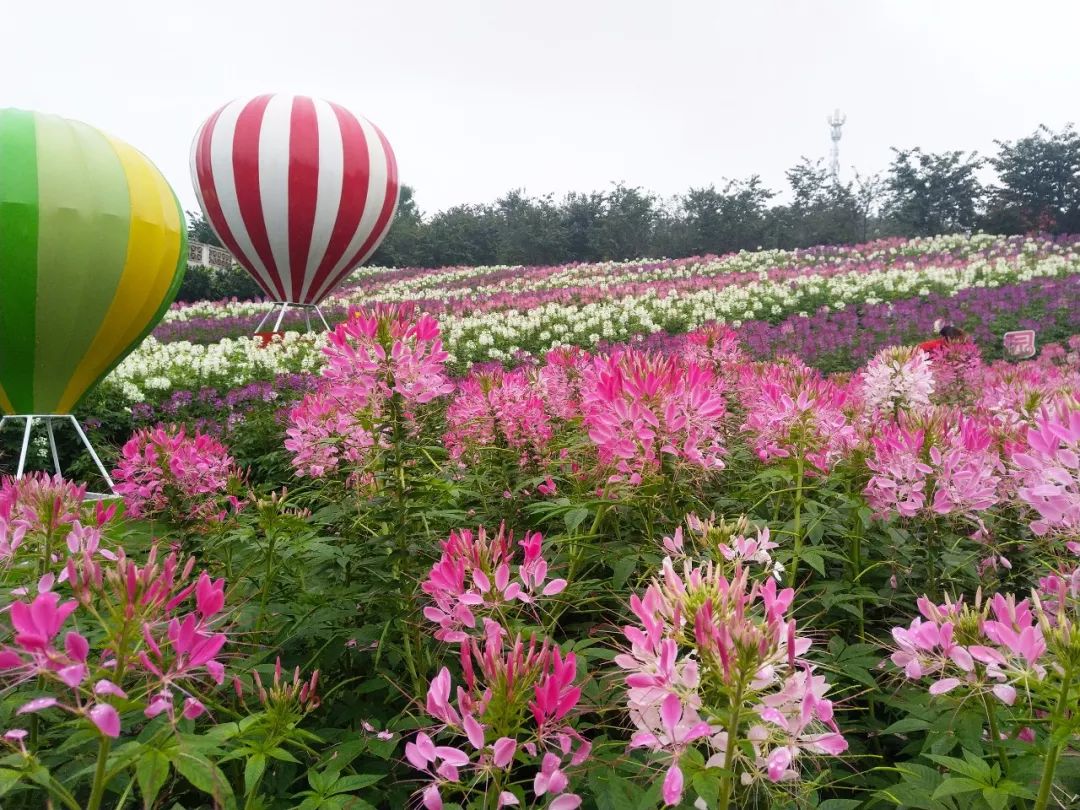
x=209 y=256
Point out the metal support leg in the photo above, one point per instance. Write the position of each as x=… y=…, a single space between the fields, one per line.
x=25 y=447
x=269 y=312
x=281 y=317
x=93 y=455
x=322 y=318
x=52 y=444
x=307 y=318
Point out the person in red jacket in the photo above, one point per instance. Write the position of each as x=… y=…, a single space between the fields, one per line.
x=948 y=334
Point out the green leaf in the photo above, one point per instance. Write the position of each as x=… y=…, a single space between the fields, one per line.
x=349 y=783
x=622 y=571
x=151 y=774
x=707 y=786
x=814 y=560
x=253 y=772
x=973 y=767
x=839 y=804
x=574 y=518
x=8 y=779
x=906 y=725
x=204 y=775
x=955 y=785
x=995 y=798
x=1015 y=789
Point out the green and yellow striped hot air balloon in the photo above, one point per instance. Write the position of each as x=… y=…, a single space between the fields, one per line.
x=92 y=251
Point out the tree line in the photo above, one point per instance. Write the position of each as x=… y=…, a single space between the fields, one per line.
x=1036 y=187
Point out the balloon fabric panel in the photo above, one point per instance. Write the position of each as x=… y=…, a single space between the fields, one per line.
x=154 y=240
x=18 y=258
x=82 y=241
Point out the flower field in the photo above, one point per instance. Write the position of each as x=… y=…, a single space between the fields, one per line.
x=711 y=533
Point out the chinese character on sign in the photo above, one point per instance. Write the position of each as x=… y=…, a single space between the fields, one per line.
x=1019 y=345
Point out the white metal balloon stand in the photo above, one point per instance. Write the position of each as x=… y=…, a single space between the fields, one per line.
x=28 y=428
x=281 y=307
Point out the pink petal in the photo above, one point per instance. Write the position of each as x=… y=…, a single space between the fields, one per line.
x=431 y=798
x=507 y=799
x=106 y=719
x=36 y=705
x=670 y=712
x=474 y=731
x=505 y=747
x=779 y=760
x=77 y=647
x=944 y=685
x=554 y=587
x=454 y=756
x=72 y=675
x=1005 y=693
x=673 y=785
x=416 y=757
x=105 y=687
x=567 y=801
x=193 y=708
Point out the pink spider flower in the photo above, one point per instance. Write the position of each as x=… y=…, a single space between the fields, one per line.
x=701 y=634
x=799 y=416
x=640 y=408
x=188 y=479
x=714 y=346
x=801 y=719
x=479 y=573
x=44 y=502
x=957 y=368
x=940 y=462
x=561 y=380
x=1046 y=472
x=371 y=358
x=527 y=690
x=1004 y=652
x=498 y=409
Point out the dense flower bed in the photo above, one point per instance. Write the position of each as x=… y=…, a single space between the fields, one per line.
x=833 y=306
x=687 y=570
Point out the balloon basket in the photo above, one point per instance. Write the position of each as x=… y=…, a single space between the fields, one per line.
x=281 y=307
x=29 y=420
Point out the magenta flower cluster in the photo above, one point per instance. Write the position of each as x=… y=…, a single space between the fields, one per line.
x=164 y=472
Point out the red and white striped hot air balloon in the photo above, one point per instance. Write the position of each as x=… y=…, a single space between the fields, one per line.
x=299 y=189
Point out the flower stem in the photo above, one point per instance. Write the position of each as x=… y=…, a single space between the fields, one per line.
x=577 y=548
x=727 y=781
x=267 y=577
x=97 y=792
x=1046 y=782
x=995 y=736
x=797 y=531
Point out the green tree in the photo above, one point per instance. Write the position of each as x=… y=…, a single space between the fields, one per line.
x=463 y=234
x=626 y=230
x=530 y=231
x=199 y=230
x=732 y=219
x=933 y=193
x=581 y=217
x=1039 y=183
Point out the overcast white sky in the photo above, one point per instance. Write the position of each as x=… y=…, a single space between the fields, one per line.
x=480 y=96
